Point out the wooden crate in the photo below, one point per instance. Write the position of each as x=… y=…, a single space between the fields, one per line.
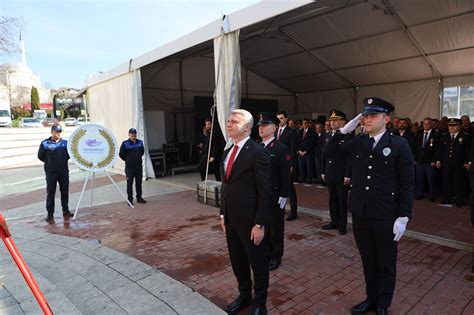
x=213 y=192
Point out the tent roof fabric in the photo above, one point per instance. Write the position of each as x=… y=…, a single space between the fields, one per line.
x=306 y=46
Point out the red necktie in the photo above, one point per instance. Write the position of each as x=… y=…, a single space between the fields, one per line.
x=279 y=134
x=230 y=163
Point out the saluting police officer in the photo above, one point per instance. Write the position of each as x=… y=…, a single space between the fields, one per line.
x=334 y=168
x=53 y=152
x=452 y=158
x=380 y=199
x=280 y=169
x=131 y=151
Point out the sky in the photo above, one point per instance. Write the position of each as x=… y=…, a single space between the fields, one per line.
x=68 y=40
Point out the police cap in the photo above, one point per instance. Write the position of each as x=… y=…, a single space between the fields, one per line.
x=267 y=118
x=56 y=128
x=336 y=115
x=132 y=130
x=454 y=121
x=375 y=105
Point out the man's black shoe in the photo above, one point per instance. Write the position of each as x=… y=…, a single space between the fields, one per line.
x=292 y=216
x=141 y=200
x=330 y=226
x=274 y=264
x=432 y=198
x=381 y=311
x=459 y=204
x=67 y=214
x=418 y=197
x=239 y=304
x=445 y=202
x=131 y=202
x=258 y=310
x=363 y=308
x=50 y=218
x=342 y=231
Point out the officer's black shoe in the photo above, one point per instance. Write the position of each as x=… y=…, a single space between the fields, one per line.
x=258 y=310
x=342 y=231
x=292 y=216
x=239 y=304
x=381 y=311
x=363 y=308
x=131 y=202
x=67 y=214
x=445 y=202
x=50 y=218
x=459 y=204
x=432 y=198
x=330 y=226
x=274 y=264
x=418 y=197
x=141 y=200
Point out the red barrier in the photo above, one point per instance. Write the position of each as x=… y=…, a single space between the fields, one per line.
x=7 y=239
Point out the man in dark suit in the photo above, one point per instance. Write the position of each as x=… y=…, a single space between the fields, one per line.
x=425 y=148
x=318 y=129
x=246 y=201
x=470 y=168
x=334 y=168
x=280 y=172
x=306 y=152
x=380 y=199
x=287 y=136
x=452 y=158
x=405 y=132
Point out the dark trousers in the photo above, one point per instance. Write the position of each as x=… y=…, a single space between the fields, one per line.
x=471 y=199
x=292 y=197
x=453 y=183
x=318 y=162
x=202 y=171
x=378 y=250
x=51 y=180
x=244 y=254
x=338 y=203
x=134 y=174
x=275 y=232
x=425 y=172
x=305 y=164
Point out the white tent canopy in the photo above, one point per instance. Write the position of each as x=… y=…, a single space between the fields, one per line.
x=315 y=56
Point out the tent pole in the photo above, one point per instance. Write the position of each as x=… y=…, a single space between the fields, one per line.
x=182 y=97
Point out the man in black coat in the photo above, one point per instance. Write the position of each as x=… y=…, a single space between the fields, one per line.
x=245 y=203
x=217 y=144
x=405 y=132
x=470 y=168
x=334 y=168
x=131 y=151
x=425 y=148
x=306 y=146
x=452 y=158
x=280 y=171
x=380 y=200
x=288 y=137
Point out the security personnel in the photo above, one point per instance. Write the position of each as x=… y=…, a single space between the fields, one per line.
x=334 y=168
x=280 y=169
x=53 y=152
x=131 y=151
x=380 y=199
x=452 y=158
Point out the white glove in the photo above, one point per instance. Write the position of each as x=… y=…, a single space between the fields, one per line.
x=282 y=202
x=351 y=125
x=399 y=227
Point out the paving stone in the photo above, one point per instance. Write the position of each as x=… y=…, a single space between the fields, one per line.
x=164 y=287
x=195 y=304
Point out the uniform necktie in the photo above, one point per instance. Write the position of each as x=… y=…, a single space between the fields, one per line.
x=279 y=133
x=452 y=137
x=425 y=138
x=230 y=163
x=262 y=144
x=372 y=142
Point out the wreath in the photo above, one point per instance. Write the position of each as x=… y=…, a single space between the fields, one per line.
x=110 y=157
x=80 y=159
x=75 y=149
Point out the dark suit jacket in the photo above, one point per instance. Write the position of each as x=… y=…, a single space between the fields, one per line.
x=288 y=138
x=382 y=179
x=426 y=155
x=246 y=195
x=306 y=142
x=410 y=137
x=334 y=164
x=453 y=153
x=280 y=168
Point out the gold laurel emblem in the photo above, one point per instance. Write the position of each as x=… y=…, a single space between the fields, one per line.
x=81 y=160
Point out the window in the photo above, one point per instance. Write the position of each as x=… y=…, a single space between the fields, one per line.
x=458 y=101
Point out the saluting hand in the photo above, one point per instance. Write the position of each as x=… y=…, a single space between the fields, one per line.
x=257 y=235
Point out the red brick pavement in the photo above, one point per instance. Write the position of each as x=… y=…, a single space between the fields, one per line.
x=430 y=218
x=321 y=271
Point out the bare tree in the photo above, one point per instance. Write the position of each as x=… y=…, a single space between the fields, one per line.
x=9 y=30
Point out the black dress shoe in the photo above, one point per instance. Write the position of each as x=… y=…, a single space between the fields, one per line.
x=381 y=311
x=432 y=199
x=131 y=202
x=274 y=264
x=459 y=204
x=363 y=308
x=258 y=310
x=141 y=200
x=50 y=218
x=239 y=304
x=292 y=216
x=67 y=214
x=330 y=226
x=342 y=231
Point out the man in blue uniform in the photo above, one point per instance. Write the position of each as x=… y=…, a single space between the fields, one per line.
x=131 y=151
x=53 y=152
x=380 y=200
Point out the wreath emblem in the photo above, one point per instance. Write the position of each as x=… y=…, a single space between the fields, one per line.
x=81 y=160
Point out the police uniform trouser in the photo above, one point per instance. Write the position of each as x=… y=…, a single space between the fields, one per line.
x=453 y=183
x=244 y=254
x=52 y=178
x=338 y=203
x=134 y=174
x=275 y=231
x=378 y=250
x=471 y=199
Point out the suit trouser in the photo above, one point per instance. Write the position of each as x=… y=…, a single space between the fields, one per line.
x=134 y=174
x=305 y=164
x=338 y=203
x=244 y=254
x=378 y=250
x=318 y=163
x=275 y=231
x=471 y=199
x=425 y=171
x=453 y=179
x=292 y=197
x=52 y=178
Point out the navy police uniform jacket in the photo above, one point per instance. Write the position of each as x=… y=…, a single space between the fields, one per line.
x=132 y=153
x=280 y=158
x=453 y=153
x=54 y=155
x=382 y=179
x=334 y=165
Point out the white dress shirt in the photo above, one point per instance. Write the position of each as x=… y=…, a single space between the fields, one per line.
x=240 y=145
x=265 y=143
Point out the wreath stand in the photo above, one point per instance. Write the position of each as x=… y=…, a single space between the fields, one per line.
x=92 y=191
